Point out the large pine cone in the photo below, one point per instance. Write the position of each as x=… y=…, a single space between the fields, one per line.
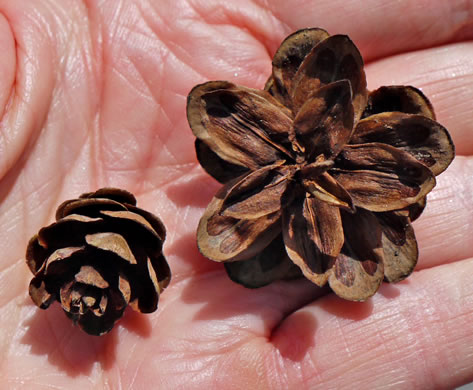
x=102 y=254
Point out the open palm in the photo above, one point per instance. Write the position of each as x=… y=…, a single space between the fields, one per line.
x=93 y=94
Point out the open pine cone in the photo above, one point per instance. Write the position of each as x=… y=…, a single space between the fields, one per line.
x=318 y=173
x=102 y=254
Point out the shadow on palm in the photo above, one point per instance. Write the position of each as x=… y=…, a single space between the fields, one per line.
x=71 y=350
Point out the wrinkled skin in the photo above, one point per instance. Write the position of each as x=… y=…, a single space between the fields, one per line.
x=93 y=94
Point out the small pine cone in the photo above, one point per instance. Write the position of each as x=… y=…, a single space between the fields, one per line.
x=100 y=255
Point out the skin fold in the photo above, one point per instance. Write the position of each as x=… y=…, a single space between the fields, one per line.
x=93 y=94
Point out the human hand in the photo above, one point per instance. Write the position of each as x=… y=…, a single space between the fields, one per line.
x=93 y=95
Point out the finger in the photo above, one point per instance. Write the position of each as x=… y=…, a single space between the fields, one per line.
x=414 y=335
x=388 y=26
x=8 y=63
x=445 y=75
x=27 y=82
x=445 y=229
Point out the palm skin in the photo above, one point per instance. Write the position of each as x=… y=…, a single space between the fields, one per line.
x=93 y=94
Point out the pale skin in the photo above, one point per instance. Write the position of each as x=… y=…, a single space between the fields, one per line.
x=93 y=94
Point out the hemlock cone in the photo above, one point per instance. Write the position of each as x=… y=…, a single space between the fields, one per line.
x=102 y=254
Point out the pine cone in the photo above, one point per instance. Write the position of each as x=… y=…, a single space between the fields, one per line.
x=316 y=170
x=102 y=254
